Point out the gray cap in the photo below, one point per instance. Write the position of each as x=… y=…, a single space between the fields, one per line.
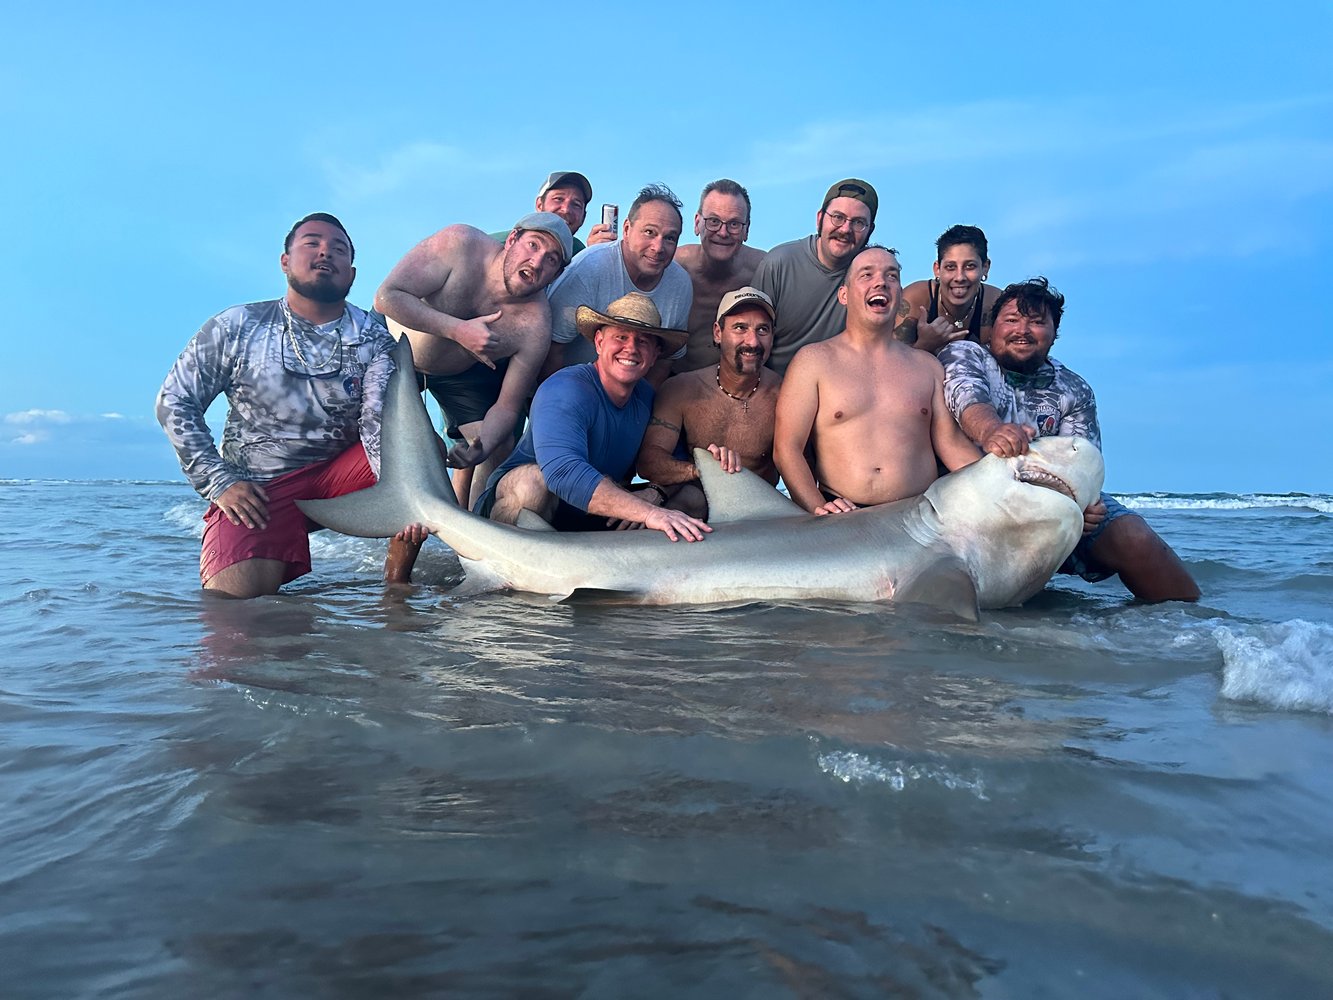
x=566 y=178
x=549 y=222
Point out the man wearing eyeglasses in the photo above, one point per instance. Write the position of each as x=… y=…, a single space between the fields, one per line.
x=802 y=277
x=304 y=378
x=717 y=264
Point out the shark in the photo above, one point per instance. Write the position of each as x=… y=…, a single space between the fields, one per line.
x=988 y=536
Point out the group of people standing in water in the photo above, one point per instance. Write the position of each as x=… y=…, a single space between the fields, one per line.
x=576 y=380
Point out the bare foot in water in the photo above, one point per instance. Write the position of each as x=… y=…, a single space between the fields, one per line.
x=404 y=548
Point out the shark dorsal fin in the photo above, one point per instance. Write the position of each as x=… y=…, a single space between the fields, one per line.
x=739 y=496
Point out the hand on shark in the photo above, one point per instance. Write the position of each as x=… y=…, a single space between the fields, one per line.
x=729 y=459
x=1009 y=440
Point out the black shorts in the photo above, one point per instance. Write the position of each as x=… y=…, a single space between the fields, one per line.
x=830 y=497
x=466 y=396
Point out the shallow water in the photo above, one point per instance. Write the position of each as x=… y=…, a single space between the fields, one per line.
x=339 y=792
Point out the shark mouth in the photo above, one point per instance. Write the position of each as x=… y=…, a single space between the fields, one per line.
x=1035 y=475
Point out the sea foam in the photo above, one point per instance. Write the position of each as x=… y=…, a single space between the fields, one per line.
x=1285 y=664
x=1320 y=503
x=897 y=775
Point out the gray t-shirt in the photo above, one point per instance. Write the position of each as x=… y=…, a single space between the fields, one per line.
x=805 y=294
x=596 y=278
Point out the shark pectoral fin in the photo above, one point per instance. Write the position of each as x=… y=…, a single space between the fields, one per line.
x=370 y=513
x=945 y=584
x=739 y=496
x=530 y=520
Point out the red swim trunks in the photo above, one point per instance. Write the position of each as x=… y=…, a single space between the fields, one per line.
x=286 y=538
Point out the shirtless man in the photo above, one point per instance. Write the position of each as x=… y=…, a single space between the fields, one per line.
x=719 y=262
x=957 y=304
x=872 y=408
x=479 y=326
x=726 y=407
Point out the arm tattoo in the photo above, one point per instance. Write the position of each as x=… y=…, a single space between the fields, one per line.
x=659 y=422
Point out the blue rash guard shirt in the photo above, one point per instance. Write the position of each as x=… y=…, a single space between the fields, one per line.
x=578 y=436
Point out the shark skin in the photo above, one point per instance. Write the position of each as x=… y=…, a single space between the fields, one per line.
x=988 y=536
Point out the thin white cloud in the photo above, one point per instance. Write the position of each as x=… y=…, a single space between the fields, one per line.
x=38 y=417
x=409 y=167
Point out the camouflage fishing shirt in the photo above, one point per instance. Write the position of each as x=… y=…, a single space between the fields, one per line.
x=1053 y=399
x=290 y=405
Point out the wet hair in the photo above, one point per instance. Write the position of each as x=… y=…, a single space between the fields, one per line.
x=726 y=185
x=656 y=192
x=961 y=236
x=847 y=274
x=1033 y=297
x=317 y=217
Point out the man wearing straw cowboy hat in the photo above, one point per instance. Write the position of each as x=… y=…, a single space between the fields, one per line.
x=586 y=424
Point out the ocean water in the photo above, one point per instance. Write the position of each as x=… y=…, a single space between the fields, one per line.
x=343 y=792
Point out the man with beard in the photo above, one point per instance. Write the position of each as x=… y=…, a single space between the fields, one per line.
x=641 y=261
x=803 y=277
x=719 y=262
x=872 y=408
x=726 y=407
x=479 y=324
x=587 y=421
x=1011 y=391
x=956 y=305
x=304 y=378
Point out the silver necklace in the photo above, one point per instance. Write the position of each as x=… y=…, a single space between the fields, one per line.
x=290 y=323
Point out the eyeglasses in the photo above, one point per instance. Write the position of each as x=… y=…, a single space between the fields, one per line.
x=712 y=223
x=839 y=220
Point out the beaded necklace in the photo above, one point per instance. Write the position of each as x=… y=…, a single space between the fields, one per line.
x=743 y=400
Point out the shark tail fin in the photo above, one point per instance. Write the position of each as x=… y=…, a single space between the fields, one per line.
x=412 y=469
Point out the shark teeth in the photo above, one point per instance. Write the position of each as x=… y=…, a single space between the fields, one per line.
x=1037 y=476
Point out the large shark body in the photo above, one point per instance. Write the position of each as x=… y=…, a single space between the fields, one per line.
x=988 y=536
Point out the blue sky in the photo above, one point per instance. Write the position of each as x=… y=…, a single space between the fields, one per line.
x=1168 y=166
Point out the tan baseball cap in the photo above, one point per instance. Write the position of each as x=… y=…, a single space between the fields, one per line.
x=746 y=296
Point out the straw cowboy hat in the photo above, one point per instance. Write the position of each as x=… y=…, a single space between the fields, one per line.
x=634 y=311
